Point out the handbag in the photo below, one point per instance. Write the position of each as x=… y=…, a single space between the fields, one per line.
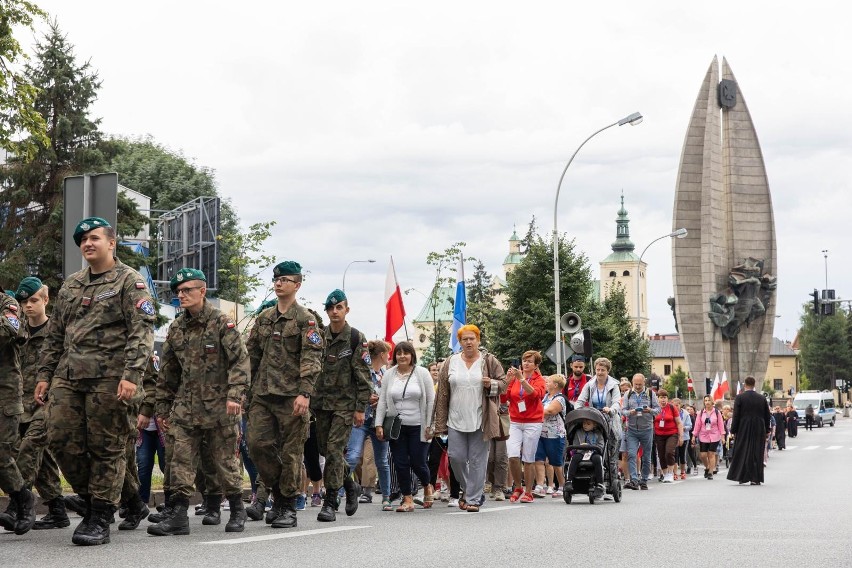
x=504 y=428
x=392 y=425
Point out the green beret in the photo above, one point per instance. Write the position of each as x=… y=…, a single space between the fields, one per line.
x=335 y=297
x=28 y=286
x=10 y=293
x=87 y=225
x=287 y=268
x=185 y=275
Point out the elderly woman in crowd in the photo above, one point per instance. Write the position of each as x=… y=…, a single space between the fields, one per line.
x=469 y=387
x=604 y=393
x=526 y=413
x=408 y=392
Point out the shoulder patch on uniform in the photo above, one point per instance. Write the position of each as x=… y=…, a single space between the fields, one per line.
x=313 y=336
x=312 y=323
x=146 y=306
x=14 y=321
x=230 y=325
x=12 y=308
x=365 y=356
x=140 y=285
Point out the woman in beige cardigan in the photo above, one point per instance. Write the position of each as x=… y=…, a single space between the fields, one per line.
x=469 y=389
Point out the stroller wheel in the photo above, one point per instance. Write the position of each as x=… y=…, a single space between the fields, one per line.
x=566 y=495
x=616 y=492
x=591 y=499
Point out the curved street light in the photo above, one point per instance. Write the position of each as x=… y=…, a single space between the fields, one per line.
x=350 y=264
x=633 y=120
x=678 y=234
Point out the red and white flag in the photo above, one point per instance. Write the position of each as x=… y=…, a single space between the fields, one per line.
x=689 y=384
x=723 y=387
x=394 y=308
x=715 y=388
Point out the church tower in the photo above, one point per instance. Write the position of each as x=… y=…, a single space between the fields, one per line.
x=622 y=268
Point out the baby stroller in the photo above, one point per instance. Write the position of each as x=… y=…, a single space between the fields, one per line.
x=583 y=481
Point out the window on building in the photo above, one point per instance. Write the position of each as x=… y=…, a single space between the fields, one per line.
x=667 y=370
x=776 y=363
x=626 y=273
x=778 y=384
x=612 y=274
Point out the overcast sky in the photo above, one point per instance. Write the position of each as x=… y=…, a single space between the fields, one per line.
x=371 y=129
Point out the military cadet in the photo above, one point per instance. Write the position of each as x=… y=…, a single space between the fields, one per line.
x=36 y=463
x=99 y=340
x=204 y=372
x=11 y=480
x=285 y=349
x=339 y=400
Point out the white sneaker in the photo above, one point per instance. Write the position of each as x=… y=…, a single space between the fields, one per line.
x=549 y=490
x=668 y=478
x=453 y=503
x=557 y=493
x=538 y=491
x=499 y=496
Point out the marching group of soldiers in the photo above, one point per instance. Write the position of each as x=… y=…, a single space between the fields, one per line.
x=75 y=386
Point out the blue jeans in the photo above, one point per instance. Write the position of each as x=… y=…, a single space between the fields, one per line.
x=145 y=461
x=249 y=465
x=634 y=439
x=355 y=448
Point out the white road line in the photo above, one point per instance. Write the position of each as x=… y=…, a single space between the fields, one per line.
x=284 y=535
x=792 y=447
x=810 y=447
x=834 y=447
x=489 y=510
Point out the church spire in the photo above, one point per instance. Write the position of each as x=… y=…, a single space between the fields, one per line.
x=622 y=231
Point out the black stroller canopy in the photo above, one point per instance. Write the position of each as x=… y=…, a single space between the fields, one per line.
x=576 y=417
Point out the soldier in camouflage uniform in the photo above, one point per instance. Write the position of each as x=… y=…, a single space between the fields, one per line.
x=339 y=400
x=204 y=373
x=36 y=463
x=285 y=349
x=99 y=340
x=11 y=408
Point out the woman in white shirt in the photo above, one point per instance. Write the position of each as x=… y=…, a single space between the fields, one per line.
x=408 y=392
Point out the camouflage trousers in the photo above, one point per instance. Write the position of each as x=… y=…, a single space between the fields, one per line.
x=333 y=430
x=206 y=476
x=130 y=487
x=37 y=465
x=87 y=429
x=221 y=441
x=10 y=476
x=276 y=442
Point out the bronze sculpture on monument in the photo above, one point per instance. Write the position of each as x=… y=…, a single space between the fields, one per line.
x=724 y=270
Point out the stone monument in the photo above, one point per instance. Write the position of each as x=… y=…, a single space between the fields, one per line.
x=724 y=270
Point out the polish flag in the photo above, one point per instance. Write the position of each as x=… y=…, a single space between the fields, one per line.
x=394 y=308
x=689 y=384
x=723 y=387
x=715 y=387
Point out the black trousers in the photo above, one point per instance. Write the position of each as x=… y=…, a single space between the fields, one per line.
x=597 y=465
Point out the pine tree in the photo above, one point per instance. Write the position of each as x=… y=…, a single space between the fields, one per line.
x=481 y=310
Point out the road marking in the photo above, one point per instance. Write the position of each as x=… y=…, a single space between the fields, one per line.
x=792 y=447
x=810 y=447
x=491 y=509
x=284 y=535
x=834 y=447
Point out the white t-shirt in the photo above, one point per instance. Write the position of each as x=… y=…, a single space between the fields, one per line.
x=408 y=407
x=465 y=412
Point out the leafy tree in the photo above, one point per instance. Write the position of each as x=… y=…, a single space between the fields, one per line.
x=825 y=350
x=481 y=309
x=437 y=337
x=677 y=380
x=18 y=113
x=248 y=262
x=615 y=337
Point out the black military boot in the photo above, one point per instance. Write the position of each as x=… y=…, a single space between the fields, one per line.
x=277 y=502
x=78 y=504
x=56 y=517
x=177 y=523
x=353 y=492
x=9 y=516
x=287 y=518
x=212 y=503
x=137 y=510
x=256 y=509
x=95 y=530
x=25 y=505
x=328 y=513
x=164 y=511
x=237 y=520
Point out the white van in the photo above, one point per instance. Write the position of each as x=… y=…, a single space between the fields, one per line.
x=823 y=404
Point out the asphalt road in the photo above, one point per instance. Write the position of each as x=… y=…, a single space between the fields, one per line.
x=800 y=517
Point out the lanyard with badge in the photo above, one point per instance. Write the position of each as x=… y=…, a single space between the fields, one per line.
x=601 y=398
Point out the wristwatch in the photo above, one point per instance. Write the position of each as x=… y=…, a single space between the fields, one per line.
x=305 y=394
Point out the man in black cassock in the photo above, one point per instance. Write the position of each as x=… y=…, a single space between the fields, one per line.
x=749 y=429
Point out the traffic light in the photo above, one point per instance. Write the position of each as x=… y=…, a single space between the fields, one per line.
x=816 y=301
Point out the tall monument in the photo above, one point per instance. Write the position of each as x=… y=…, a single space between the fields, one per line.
x=724 y=270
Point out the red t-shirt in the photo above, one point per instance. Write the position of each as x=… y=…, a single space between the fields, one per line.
x=667 y=415
x=574 y=387
x=515 y=393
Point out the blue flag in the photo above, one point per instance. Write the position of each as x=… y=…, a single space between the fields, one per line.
x=459 y=308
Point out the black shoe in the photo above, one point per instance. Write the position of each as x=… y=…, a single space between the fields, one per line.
x=212 y=504
x=122 y=510
x=328 y=513
x=237 y=520
x=164 y=509
x=644 y=486
x=9 y=516
x=177 y=523
x=56 y=517
x=277 y=503
x=94 y=529
x=353 y=491
x=201 y=508
x=631 y=485
x=256 y=509
x=25 y=503
x=287 y=518
x=710 y=476
x=136 y=512
x=78 y=504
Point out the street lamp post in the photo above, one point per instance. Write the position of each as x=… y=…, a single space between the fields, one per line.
x=679 y=234
x=825 y=254
x=632 y=120
x=350 y=264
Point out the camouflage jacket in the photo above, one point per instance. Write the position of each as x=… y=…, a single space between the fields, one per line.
x=204 y=365
x=100 y=329
x=30 y=345
x=285 y=352
x=10 y=366
x=345 y=382
x=149 y=387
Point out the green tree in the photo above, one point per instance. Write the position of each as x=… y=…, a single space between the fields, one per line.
x=243 y=276
x=481 y=309
x=677 y=380
x=18 y=113
x=825 y=350
x=438 y=336
x=615 y=336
